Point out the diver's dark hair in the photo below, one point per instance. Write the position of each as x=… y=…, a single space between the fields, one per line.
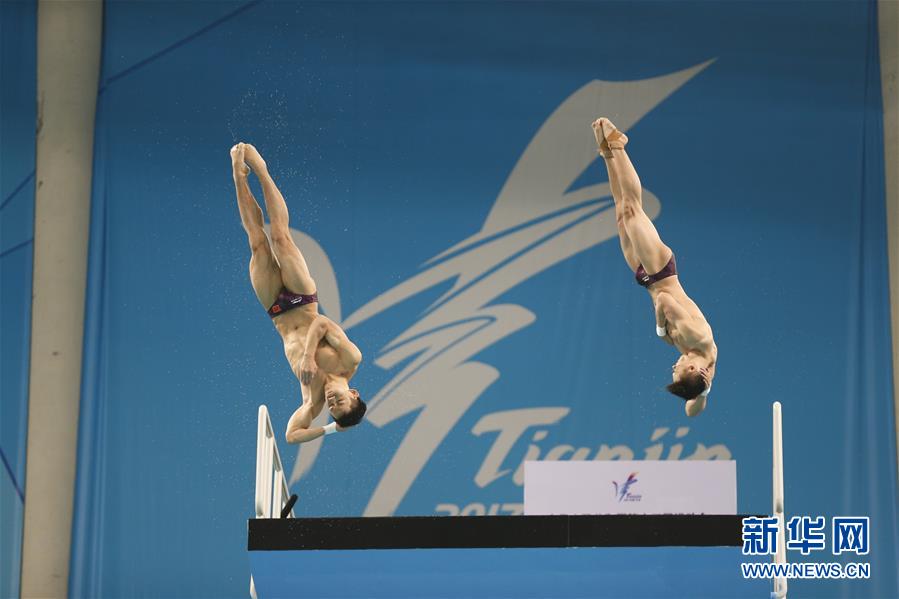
x=688 y=387
x=354 y=416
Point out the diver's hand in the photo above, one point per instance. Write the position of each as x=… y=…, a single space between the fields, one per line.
x=706 y=377
x=308 y=368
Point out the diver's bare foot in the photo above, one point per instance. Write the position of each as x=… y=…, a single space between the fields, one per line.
x=601 y=142
x=254 y=159
x=614 y=138
x=597 y=131
x=238 y=153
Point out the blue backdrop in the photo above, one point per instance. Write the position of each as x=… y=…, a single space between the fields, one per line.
x=442 y=178
x=17 y=118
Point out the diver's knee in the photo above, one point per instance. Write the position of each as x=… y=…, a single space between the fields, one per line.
x=630 y=209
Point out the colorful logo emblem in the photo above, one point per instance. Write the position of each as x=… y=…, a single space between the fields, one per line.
x=622 y=492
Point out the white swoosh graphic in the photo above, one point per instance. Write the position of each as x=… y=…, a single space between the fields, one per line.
x=535 y=223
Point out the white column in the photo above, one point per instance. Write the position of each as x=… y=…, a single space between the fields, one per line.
x=68 y=59
x=888 y=15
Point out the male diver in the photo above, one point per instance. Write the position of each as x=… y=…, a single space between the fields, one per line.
x=679 y=320
x=319 y=352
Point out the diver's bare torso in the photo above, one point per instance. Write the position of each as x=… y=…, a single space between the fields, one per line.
x=293 y=327
x=687 y=329
x=692 y=333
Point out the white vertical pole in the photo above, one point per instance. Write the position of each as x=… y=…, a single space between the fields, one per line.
x=780 y=584
x=261 y=472
x=888 y=17
x=68 y=64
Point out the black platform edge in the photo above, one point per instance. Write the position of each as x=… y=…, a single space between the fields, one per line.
x=459 y=532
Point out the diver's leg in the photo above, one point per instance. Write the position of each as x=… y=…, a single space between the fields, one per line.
x=627 y=247
x=265 y=274
x=648 y=246
x=294 y=271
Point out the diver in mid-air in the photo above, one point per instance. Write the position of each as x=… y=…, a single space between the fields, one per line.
x=319 y=352
x=679 y=321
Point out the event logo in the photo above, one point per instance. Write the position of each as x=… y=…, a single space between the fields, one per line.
x=536 y=222
x=623 y=493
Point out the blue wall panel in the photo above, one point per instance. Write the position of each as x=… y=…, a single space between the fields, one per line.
x=440 y=155
x=17 y=117
x=612 y=572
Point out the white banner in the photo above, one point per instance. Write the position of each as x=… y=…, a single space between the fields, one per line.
x=630 y=487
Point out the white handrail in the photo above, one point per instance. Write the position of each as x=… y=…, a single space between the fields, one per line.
x=780 y=557
x=271 y=486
